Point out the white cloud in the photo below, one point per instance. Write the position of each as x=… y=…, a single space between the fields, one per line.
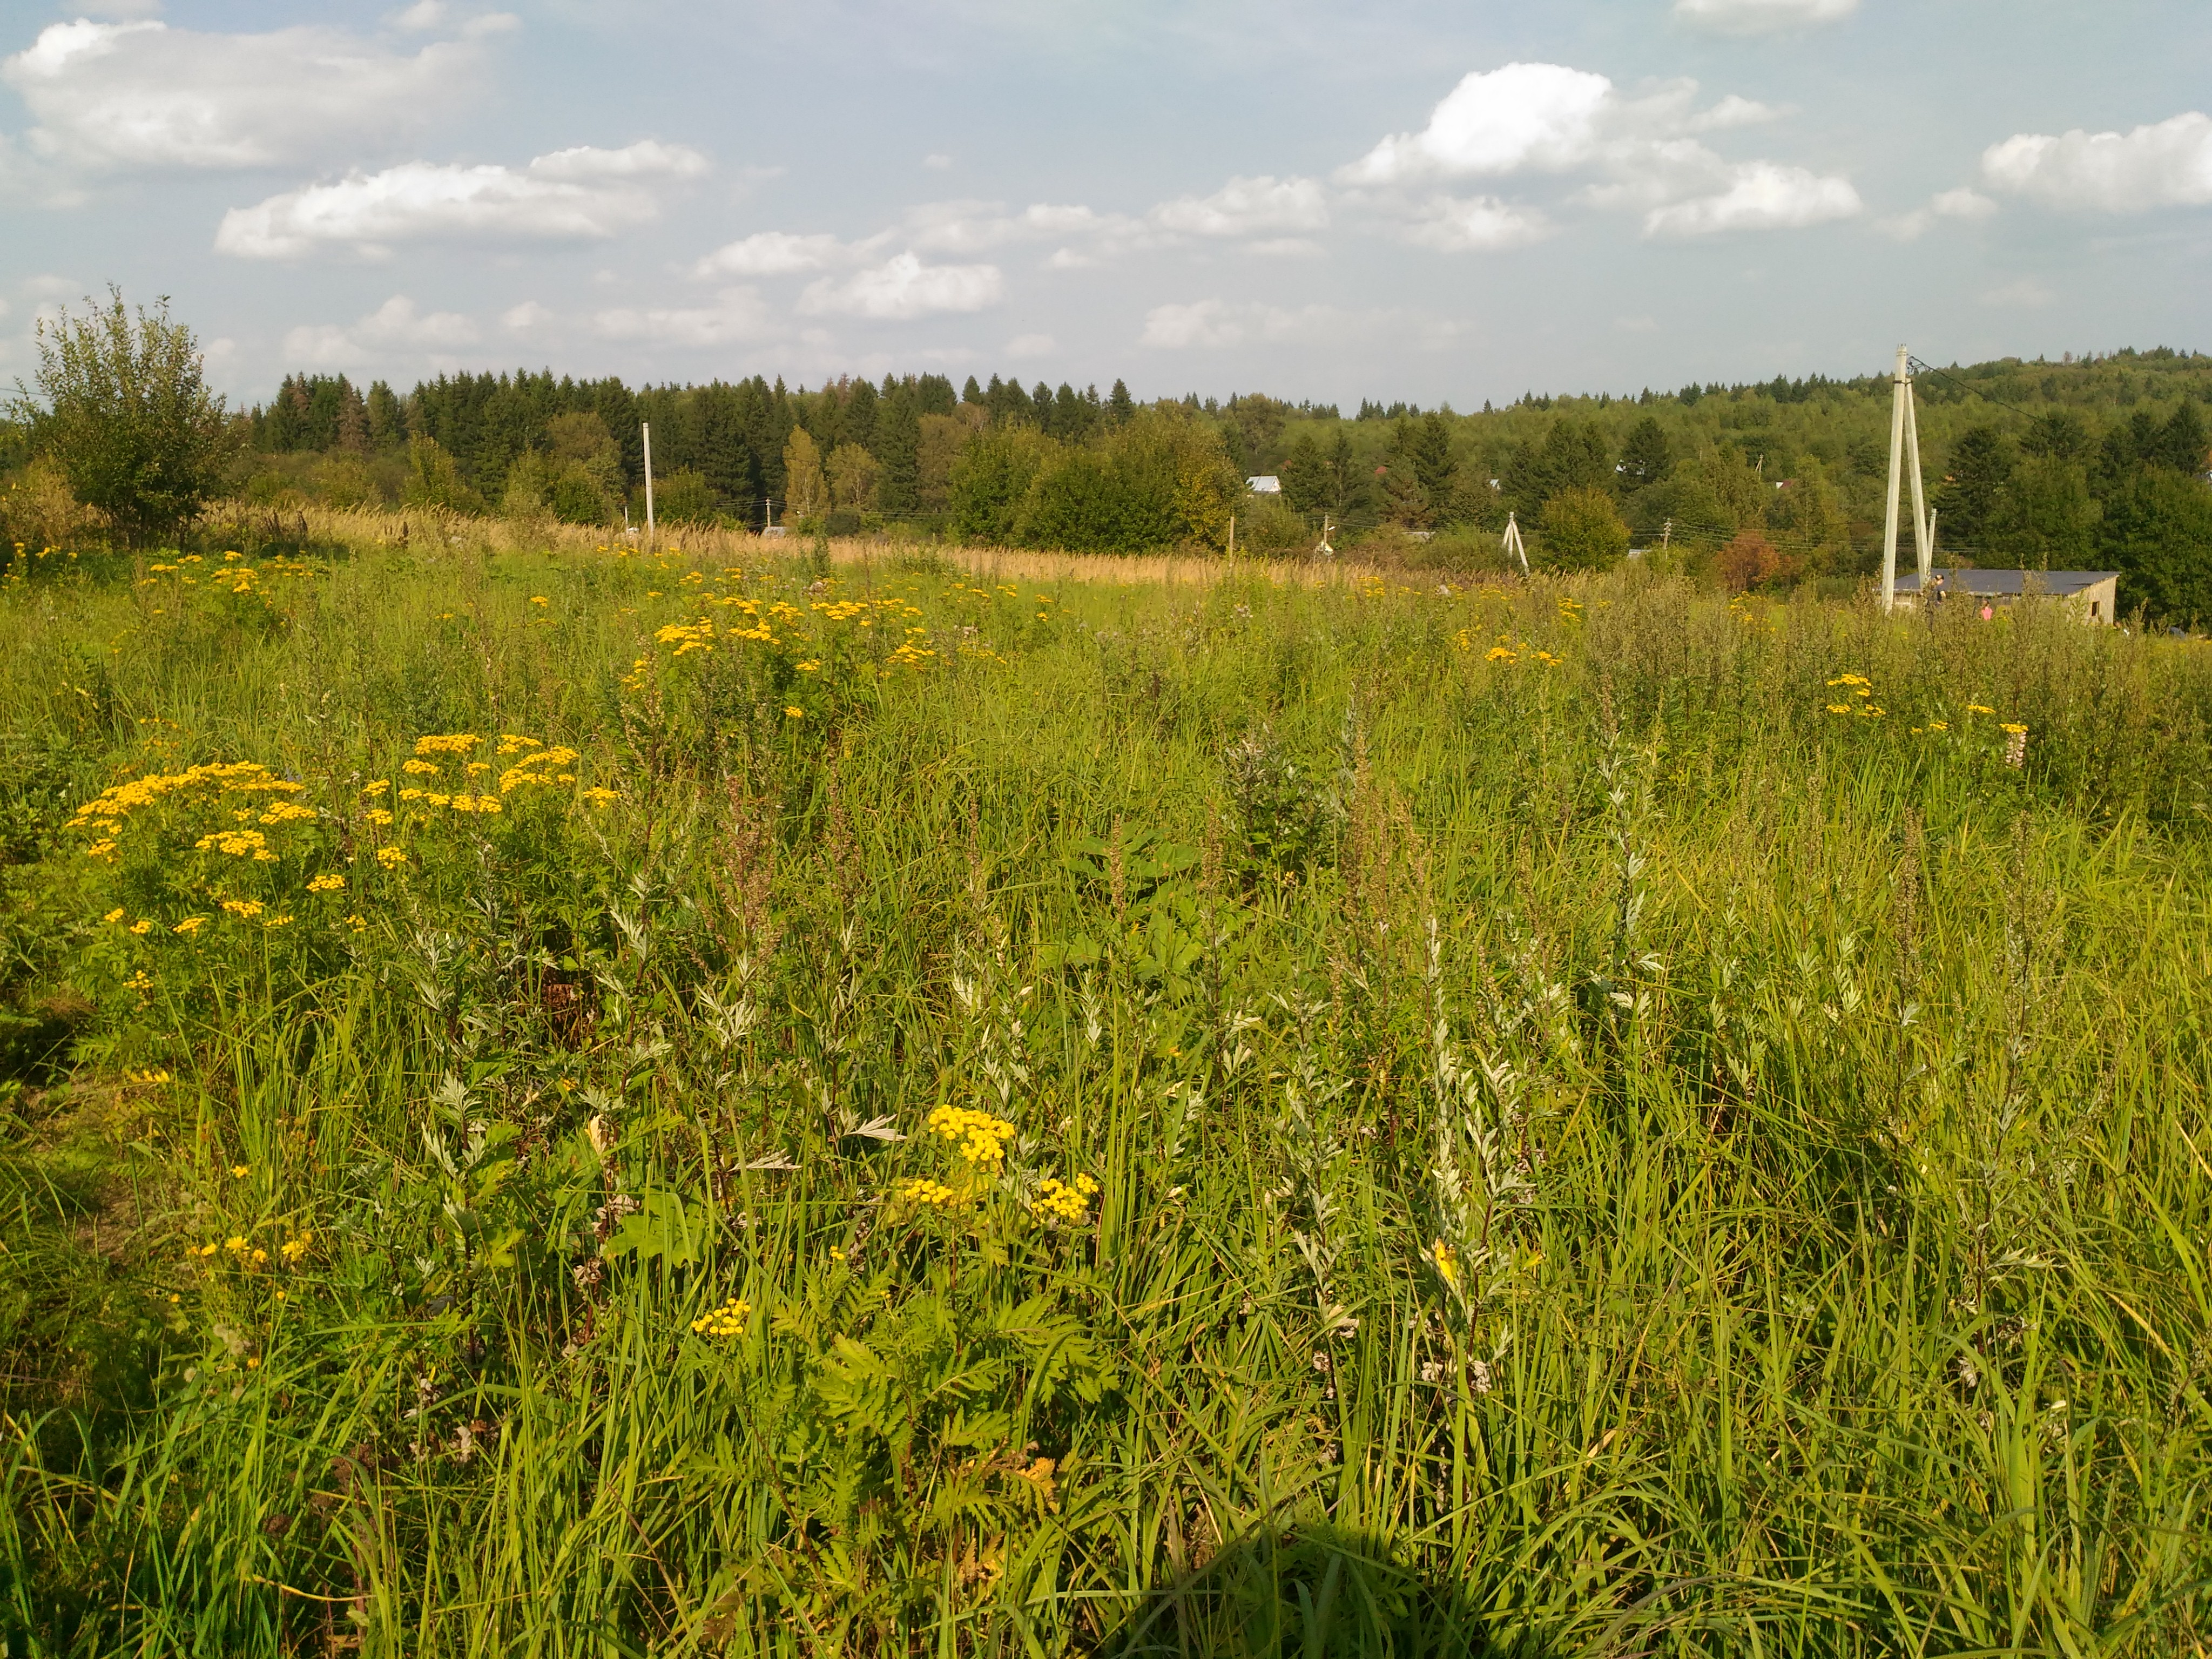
x=972 y=227
x=771 y=253
x=1031 y=345
x=1761 y=16
x=1762 y=196
x=903 y=288
x=1246 y=207
x=1637 y=152
x=1732 y=111
x=581 y=194
x=394 y=328
x=1541 y=116
x=1286 y=247
x=1480 y=224
x=143 y=95
x=938 y=159
x=1960 y=203
x=1212 y=324
x=2168 y=164
x=525 y=316
x=2024 y=292
x=738 y=316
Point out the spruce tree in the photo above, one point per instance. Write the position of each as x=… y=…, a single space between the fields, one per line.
x=1120 y=406
x=858 y=418
x=1648 y=457
x=898 y=447
x=1967 y=500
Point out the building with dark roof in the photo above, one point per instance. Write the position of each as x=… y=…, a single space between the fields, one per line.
x=2094 y=593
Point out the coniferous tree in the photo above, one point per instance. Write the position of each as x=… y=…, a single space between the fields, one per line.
x=1120 y=405
x=1429 y=452
x=972 y=393
x=1973 y=489
x=1647 y=458
x=857 y=420
x=1305 y=476
x=898 y=448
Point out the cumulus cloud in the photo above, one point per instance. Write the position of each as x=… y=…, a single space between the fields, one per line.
x=1481 y=223
x=395 y=328
x=1640 y=151
x=770 y=253
x=581 y=194
x=2168 y=164
x=1963 y=203
x=1025 y=346
x=1762 y=196
x=901 y=288
x=1248 y=207
x=142 y=95
x=1760 y=16
x=1524 y=116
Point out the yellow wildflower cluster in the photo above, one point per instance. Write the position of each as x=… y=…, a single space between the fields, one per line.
x=543 y=767
x=391 y=857
x=455 y=743
x=105 y=812
x=1855 y=685
x=912 y=654
x=728 y=1320
x=1979 y=709
x=238 y=844
x=927 y=1192
x=687 y=637
x=2013 y=728
x=1058 y=1201
x=980 y=1138
x=330 y=883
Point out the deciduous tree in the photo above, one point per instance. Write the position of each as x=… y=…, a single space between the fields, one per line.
x=122 y=407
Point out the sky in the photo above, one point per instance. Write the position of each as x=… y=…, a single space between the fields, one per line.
x=1428 y=202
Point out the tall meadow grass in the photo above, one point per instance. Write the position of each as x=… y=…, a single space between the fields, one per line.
x=953 y=1107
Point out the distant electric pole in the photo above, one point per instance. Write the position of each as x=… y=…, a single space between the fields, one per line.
x=1904 y=421
x=647 y=427
x=1511 y=543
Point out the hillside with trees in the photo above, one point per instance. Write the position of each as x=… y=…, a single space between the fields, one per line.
x=2091 y=462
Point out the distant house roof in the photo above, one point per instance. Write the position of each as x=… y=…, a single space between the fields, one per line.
x=2011 y=584
x=1266 y=484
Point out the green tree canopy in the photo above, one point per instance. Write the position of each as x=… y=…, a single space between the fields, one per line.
x=122 y=407
x=1581 y=530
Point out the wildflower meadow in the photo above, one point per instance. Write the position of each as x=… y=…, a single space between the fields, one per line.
x=569 y=1100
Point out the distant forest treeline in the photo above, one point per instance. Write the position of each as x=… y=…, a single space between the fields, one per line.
x=2096 y=462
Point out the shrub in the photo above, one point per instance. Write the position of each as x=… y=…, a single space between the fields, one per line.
x=125 y=412
x=1581 y=530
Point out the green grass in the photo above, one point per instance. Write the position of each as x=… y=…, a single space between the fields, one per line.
x=1597 y=1154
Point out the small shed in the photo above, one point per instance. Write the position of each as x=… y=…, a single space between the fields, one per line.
x=1266 y=484
x=2095 y=594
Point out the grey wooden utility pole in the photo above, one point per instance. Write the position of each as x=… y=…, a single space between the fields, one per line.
x=647 y=426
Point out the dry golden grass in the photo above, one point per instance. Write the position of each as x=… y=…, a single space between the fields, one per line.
x=364 y=529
